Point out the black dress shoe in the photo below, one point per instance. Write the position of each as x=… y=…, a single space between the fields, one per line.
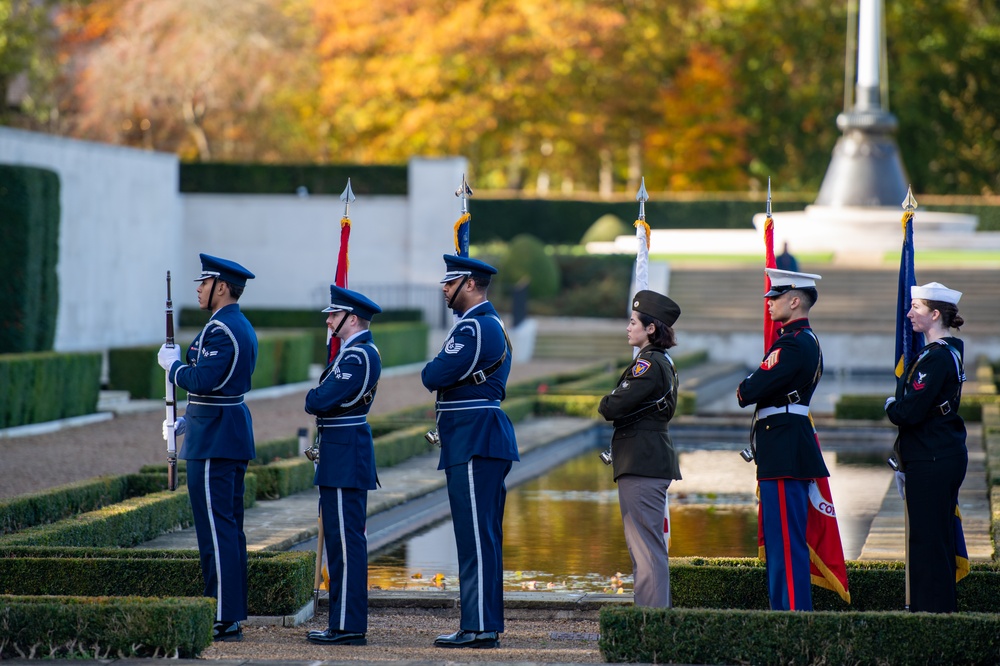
x=468 y=639
x=227 y=631
x=336 y=637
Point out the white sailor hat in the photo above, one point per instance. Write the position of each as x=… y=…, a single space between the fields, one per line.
x=782 y=281
x=935 y=291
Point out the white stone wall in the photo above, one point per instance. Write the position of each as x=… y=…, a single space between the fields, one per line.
x=120 y=215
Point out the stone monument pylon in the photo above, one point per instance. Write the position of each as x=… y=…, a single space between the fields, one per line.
x=858 y=210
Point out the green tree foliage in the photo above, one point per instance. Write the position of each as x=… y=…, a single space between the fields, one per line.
x=540 y=95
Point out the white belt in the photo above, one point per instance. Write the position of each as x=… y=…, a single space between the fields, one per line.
x=764 y=412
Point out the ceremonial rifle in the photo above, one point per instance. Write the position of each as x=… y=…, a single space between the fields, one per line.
x=171 y=402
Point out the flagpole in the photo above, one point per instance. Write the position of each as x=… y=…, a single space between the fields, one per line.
x=464 y=192
x=907 y=279
x=642 y=234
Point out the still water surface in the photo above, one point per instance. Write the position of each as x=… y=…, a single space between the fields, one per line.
x=563 y=530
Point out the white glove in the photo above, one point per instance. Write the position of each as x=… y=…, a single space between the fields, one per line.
x=901 y=485
x=889 y=401
x=167 y=355
x=180 y=427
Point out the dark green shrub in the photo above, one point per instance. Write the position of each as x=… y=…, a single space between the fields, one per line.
x=605 y=229
x=527 y=261
x=134 y=369
x=29 y=252
x=256 y=178
x=48 y=386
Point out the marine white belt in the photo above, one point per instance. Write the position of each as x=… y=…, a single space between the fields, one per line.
x=459 y=405
x=764 y=412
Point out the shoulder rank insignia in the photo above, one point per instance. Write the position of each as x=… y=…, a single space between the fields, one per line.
x=452 y=347
x=640 y=367
x=771 y=360
x=920 y=383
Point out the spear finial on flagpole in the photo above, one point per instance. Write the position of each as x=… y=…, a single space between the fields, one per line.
x=463 y=193
x=642 y=197
x=769 y=197
x=348 y=198
x=909 y=203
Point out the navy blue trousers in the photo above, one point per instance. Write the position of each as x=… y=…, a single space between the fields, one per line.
x=216 y=487
x=931 y=494
x=477 y=494
x=344 y=513
x=785 y=510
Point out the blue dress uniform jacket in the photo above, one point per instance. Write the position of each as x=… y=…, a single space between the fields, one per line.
x=217 y=446
x=220 y=363
x=477 y=449
x=469 y=419
x=786 y=442
x=345 y=473
x=347 y=454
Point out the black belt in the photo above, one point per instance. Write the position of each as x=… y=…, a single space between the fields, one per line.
x=218 y=400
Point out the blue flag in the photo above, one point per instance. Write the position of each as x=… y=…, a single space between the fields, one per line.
x=908 y=343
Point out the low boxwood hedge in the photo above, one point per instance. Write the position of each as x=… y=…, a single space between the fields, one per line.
x=104 y=628
x=277 y=583
x=701 y=636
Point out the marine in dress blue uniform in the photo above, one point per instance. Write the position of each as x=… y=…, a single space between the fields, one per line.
x=346 y=468
x=931 y=447
x=785 y=447
x=478 y=446
x=218 y=435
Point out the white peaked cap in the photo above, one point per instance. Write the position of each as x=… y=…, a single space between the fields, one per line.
x=935 y=291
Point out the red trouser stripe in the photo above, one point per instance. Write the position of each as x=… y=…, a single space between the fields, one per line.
x=786 y=545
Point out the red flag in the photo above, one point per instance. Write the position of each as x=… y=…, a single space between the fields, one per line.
x=827 y=568
x=340 y=279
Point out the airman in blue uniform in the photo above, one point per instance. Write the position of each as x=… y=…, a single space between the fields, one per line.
x=478 y=446
x=346 y=468
x=218 y=442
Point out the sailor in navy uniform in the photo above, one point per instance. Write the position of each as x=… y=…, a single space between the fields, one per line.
x=218 y=442
x=931 y=447
x=786 y=451
x=478 y=446
x=346 y=468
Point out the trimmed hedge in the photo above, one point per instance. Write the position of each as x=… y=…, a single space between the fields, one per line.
x=47 y=386
x=875 y=586
x=658 y=635
x=100 y=628
x=124 y=524
x=255 y=178
x=48 y=506
x=277 y=583
x=872 y=407
x=135 y=369
x=29 y=252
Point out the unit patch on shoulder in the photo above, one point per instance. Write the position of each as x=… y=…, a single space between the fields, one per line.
x=771 y=360
x=640 y=367
x=920 y=383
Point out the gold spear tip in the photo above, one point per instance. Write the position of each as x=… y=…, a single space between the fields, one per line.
x=909 y=203
x=642 y=195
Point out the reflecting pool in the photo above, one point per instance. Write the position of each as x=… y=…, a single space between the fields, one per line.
x=563 y=530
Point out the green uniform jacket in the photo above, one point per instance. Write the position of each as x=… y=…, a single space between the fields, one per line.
x=643 y=448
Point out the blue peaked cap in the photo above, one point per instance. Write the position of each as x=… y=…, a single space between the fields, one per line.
x=226 y=270
x=351 y=301
x=466 y=266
